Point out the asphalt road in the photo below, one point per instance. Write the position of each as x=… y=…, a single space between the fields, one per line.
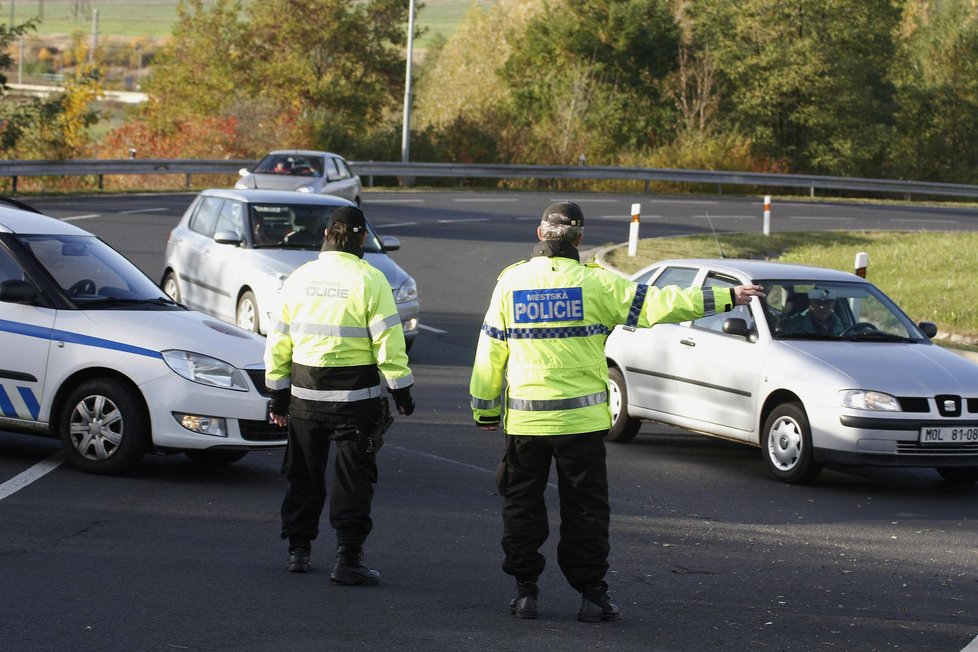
x=707 y=552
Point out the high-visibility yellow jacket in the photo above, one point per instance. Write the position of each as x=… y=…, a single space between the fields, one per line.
x=337 y=332
x=544 y=334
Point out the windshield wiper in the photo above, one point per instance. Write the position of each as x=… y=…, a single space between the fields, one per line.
x=125 y=301
x=878 y=336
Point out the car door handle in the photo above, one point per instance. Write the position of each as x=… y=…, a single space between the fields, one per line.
x=688 y=342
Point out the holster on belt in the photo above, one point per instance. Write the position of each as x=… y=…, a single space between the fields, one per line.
x=370 y=435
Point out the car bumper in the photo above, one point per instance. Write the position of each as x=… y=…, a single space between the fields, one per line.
x=874 y=441
x=244 y=415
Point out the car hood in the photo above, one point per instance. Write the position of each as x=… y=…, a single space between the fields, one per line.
x=284 y=261
x=186 y=330
x=896 y=368
x=281 y=181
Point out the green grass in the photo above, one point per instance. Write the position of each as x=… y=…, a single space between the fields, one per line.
x=930 y=275
x=155 y=18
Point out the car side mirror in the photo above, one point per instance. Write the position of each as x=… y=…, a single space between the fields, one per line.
x=227 y=237
x=928 y=328
x=17 y=291
x=390 y=243
x=738 y=326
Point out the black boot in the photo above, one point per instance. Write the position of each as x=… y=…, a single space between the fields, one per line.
x=350 y=569
x=524 y=605
x=299 y=557
x=597 y=608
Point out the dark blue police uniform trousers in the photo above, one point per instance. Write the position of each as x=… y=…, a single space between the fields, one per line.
x=354 y=474
x=582 y=483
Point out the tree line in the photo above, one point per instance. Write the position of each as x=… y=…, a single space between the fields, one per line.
x=885 y=89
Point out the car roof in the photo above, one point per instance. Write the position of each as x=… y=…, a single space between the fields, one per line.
x=15 y=220
x=252 y=196
x=762 y=269
x=303 y=152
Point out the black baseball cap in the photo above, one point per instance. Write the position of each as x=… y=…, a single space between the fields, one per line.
x=351 y=216
x=564 y=212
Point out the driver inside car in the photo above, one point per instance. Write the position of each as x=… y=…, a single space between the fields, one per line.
x=818 y=319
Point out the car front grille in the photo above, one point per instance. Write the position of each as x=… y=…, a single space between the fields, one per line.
x=913 y=404
x=262 y=431
x=258 y=380
x=914 y=448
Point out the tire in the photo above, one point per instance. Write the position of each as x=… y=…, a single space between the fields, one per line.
x=959 y=474
x=623 y=428
x=215 y=457
x=786 y=443
x=246 y=314
x=104 y=427
x=170 y=286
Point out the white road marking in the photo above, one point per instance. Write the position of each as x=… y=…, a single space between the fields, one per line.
x=726 y=217
x=677 y=201
x=972 y=646
x=394 y=226
x=459 y=221
x=36 y=472
x=79 y=217
x=431 y=329
x=462 y=200
x=142 y=210
x=371 y=200
x=821 y=217
x=448 y=460
x=626 y=217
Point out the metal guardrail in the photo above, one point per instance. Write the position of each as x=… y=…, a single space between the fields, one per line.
x=370 y=169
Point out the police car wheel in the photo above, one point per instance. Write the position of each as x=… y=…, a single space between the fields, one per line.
x=170 y=286
x=247 y=312
x=786 y=442
x=215 y=458
x=104 y=426
x=623 y=428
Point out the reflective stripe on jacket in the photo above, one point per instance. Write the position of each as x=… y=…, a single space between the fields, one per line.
x=544 y=334
x=337 y=334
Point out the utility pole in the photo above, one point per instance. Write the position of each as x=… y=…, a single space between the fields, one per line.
x=91 y=52
x=406 y=132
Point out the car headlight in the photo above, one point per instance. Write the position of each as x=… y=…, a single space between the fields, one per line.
x=407 y=292
x=205 y=370
x=305 y=188
x=864 y=399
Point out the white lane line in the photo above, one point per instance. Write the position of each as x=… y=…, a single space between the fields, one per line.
x=79 y=217
x=824 y=218
x=972 y=646
x=394 y=226
x=448 y=460
x=431 y=329
x=371 y=200
x=677 y=201
x=36 y=472
x=474 y=219
x=726 y=217
x=142 y=210
x=625 y=217
x=463 y=200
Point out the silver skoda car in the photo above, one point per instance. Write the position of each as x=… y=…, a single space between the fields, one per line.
x=233 y=249
x=827 y=370
x=305 y=171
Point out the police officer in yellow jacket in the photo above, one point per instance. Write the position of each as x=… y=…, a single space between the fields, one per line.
x=544 y=335
x=336 y=344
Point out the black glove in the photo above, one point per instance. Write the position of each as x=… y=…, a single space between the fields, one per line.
x=403 y=400
x=280 y=401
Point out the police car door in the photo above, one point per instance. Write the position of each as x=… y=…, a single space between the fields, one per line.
x=25 y=340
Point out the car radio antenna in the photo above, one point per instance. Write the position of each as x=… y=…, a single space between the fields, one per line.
x=715 y=238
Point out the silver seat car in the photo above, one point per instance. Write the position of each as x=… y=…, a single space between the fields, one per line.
x=305 y=171
x=826 y=371
x=233 y=249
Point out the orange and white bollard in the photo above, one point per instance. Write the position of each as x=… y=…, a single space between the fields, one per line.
x=767 y=215
x=633 y=230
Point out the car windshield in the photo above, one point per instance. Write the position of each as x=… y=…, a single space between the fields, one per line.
x=835 y=311
x=291 y=165
x=296 y=226
x=93 y=274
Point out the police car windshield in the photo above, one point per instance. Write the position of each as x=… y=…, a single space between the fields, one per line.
x=89 y=271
